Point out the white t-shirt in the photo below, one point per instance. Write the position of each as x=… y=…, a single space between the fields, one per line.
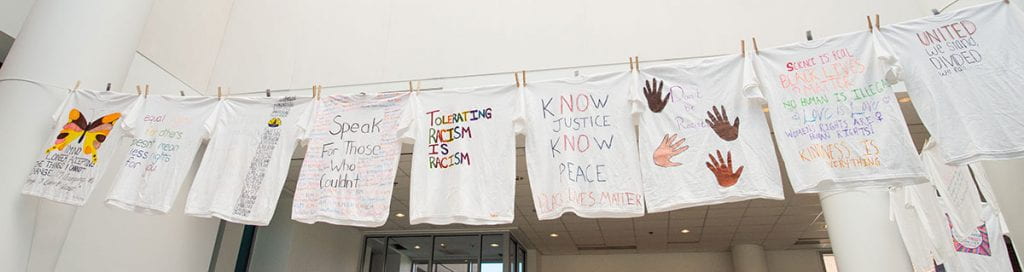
x=963 y=70
x=693 y=148
x=983 y=249
x=464 y=159
x=956 y=185
x=836 y=119
x=349 y=171
x=161 y=153
x=247 y=159
x=928 y=233
x=68 y=169
x=581 y=151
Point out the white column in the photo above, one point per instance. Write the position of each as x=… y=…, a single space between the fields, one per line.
x=1007 y=181
x=863 y=238
x=749 y=258
x=59 y=43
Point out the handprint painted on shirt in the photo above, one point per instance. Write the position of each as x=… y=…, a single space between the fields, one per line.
x=653 y=94
x=719 y=122
x=669 y=148
x=723 y=169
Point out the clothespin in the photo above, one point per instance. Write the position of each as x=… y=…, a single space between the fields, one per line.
x=319 y=88
x=181 y=92
x=77 y=84
x=410 y=86
x=268 y=92
x=524 y=78
x=630 y=64
x=871 y=27
x=754 y=41
x=147 y=91
x=516 y=74
x=743 y=48
x=108 y=86
x=418 y=86
x=809 y=37
x=220 y=94
x=878 y=23
x=138 y=89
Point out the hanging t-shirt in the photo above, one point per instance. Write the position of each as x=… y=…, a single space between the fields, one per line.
x=349 y=171
x=984 y=249
x=247 y=159
x=921 y=246
x=963 y=70
x=87 y=130
x=836 y=119
x=161 y=153
x=928 y=233
x=693 y=149
x=464 y=159
x=581 y=151
x=956 y=185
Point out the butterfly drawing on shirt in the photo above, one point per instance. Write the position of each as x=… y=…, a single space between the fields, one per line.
x=89 y=135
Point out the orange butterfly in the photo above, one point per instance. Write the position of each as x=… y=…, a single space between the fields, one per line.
x=93 y=134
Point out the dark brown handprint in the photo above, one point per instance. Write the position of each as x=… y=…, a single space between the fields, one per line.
x=669 y=148
x=653 y=94
x=723 y=169
x=720 y=123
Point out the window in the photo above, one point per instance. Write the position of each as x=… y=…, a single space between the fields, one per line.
x=470 y=252
x=830 y=262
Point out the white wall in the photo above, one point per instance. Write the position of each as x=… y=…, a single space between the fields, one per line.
x=12 y=15
x=795 y=261
x=778 y=261
x=293 y=44
x=680 y=262
x=324 y=247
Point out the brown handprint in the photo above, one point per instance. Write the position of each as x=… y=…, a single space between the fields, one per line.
x=653 y=94
x=669 y=148
x=723 y=169
x=720 y=123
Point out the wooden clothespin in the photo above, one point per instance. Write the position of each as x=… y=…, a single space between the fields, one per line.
x=146 y=93
x=630 y=64
x=108 y=86
x=78 y=83
x=871 y=27
x=878 y=23
x=516 y=74
x=410 y=86
x=754 y=41
x=181 y=92
x=418 y=86
x=268 y=92
x=138 y=89
x=524 y=78
x=220 y=94
x=743 y=48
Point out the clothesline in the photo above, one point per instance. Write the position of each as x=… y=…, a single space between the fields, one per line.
x=469 y=76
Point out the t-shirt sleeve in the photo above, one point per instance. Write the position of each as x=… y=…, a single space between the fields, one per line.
x=519 y=114
x=210 y=124
x=751 y=83
x=406 y=123
x=62 y=110
x=894 y=72
x=637 y=102
x=131 y=117
x=305 y=124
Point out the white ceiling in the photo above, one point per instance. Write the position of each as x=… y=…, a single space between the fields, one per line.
x=794 y=223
